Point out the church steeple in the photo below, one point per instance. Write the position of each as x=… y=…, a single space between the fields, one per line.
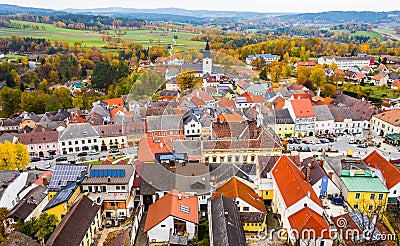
x=207 y=53
x=207 y=46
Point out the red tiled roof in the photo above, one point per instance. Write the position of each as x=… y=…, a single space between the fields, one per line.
x=258 y=99
x=305 y=63
x=390 y=173
x=114 y=102
x=202 y=95
x=280 y=105
x=396 y=83
x=169 y=205
x=234 y=117
x=302 y=108
x=359 y=76
x=148 y=147
x=392 y=117
x=377 y=77
x=39 y=137
x=226 y=103
x=291 y=182
x=45 y=175
x=306 y=219
x=235 y=188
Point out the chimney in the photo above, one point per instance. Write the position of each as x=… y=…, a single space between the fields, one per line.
x=308 y=194
x=179 y=196
x=312 y=163
x=109 y=179
x=321 y=163
x=226 y=213
x=330 y=174
x=37 y=176
x=308 y=174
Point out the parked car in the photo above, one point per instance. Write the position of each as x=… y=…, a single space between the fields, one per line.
x=93 y=153
x=49 y=157
x=47 y=165
x=352 y=141
x=331 y=139
x=82 y=154
x=34 y=159
x=323 y=141
x=312 y=142
x=362 y=146
x=62 y=158
x=306 y=141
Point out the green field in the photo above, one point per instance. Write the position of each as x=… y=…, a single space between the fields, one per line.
x=359 y=33
x=91 y=38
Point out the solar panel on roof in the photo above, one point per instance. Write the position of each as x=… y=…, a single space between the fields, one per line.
x=107 y=173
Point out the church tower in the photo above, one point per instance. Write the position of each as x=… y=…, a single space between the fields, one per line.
x=207 y=61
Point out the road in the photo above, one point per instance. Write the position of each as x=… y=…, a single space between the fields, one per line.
x=130 y=152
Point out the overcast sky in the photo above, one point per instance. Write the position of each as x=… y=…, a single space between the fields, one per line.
x=253 y=5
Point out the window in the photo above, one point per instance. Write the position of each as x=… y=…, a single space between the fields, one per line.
x=229 y=159
x=244 y=158
x=76 y=142
x=357 y=196
x=83 y=141
x=372 y=197
x=214 y=159
x=118 y=187
x=162 y=225
x=355 y=206
x=89 y=141
x=206 y=159
x=394 y=192
x=95 y=140
x=123 y=187
x=236 y=158
x=379 y=207
x=370 y=207
x=253 y=157
x=63 y=143
x=246 y=208
x=380 y=197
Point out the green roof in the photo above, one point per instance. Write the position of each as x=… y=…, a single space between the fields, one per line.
x=363 y=183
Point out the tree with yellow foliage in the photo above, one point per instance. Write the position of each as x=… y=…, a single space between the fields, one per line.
x=13 y=156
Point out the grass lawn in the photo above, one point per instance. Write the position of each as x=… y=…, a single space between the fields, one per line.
x=92 y=38
x=370 y=34
x=375 y=91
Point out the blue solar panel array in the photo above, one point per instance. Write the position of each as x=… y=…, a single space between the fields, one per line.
x=107 y=173
x=64 y=174
x=172 y=157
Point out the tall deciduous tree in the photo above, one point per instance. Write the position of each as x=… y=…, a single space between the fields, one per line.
x=64 y=97
x=318 y=77
x=187 y=80
x=10 y=99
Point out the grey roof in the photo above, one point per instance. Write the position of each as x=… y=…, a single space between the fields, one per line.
x=100 y=110
x=283 y=91
x=7 y=177
x=172 y=72
x=341 y=113
x=190 y=147
x=27 y=204
x=322 y=113
x=78 y=130
x=394 y=76
x=316 y=171
x=190 y=66
x=227 y=227
x=17 y=238
x=189 y=117
x=73 y=227
x=164 y=122
x=224 y=171
x=283 y=116
x=158 y=177
x=129 y=171
x=259 y=88
x=8 y=137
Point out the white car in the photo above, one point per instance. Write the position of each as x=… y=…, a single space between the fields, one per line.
x=93 y=153
x=47 y=165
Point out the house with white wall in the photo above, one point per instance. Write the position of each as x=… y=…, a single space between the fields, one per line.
x=298 y=205
x=173 y=216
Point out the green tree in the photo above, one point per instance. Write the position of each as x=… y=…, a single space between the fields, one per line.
x=10 y=99
x=328 y=90
x=41 y=227
x=318 y=77
x=264 y=73
x=64 y=97
x=187 y=80
x=10 y=80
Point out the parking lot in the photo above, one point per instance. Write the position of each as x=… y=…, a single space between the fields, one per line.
x=130 y=152
x=341 y=145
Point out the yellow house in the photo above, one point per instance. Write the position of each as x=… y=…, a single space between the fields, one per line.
x=62 y=201
x=230 y=96
x=254 y=222
x=364 y=191
x=284 y=123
